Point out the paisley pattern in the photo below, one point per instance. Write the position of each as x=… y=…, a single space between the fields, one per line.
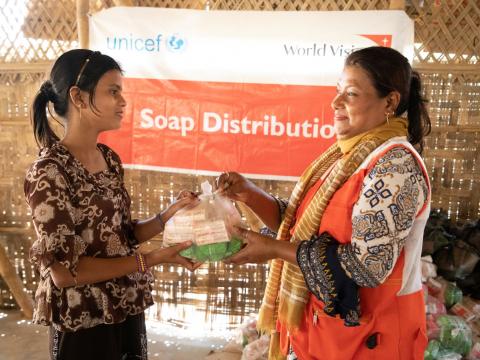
x=326 y=280
x=76 y=213
x=392 y=194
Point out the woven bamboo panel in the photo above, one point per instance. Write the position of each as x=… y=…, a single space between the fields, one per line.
x=217 y=294
x=17 y=245
x=297 y=5
x=452 y=150
x=17 y=147
x=38 y=30
x=17 y=151
x=446 y=31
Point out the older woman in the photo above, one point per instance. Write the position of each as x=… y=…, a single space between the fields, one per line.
x=345 y=282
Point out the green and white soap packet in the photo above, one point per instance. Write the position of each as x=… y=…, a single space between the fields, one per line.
x=209 y=225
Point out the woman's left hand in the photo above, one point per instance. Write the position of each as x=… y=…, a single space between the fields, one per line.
x=257 y=248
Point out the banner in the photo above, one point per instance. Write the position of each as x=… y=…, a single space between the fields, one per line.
x=245 y=91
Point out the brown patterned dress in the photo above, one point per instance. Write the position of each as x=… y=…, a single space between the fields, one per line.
x=77 y=213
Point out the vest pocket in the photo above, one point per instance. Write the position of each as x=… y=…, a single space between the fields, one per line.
x=330 y=339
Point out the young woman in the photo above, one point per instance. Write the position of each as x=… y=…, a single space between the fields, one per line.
x=94 y=286
x=346 y=279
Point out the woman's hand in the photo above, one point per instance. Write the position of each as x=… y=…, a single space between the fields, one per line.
x=185 y=199
x=146 y=229
x=171 y=255
x=257 y=248
x=234 y=186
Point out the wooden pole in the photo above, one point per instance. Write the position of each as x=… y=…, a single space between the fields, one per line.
x=204 y=4
x=123 y=2
x=397 y=4
x=82 y=23
x=7 y=271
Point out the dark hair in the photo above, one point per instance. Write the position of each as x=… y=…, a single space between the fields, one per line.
x=390 y=71
x=79 y=67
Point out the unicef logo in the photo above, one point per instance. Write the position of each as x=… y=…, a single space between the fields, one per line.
x=176 y=43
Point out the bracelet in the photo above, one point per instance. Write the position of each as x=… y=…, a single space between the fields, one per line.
x=160 y=220
x=282 y=206
x=141 y=263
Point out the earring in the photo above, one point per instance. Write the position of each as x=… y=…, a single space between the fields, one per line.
x=388 y=117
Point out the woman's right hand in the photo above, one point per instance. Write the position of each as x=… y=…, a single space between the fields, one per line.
x=234 y=186
x=171 y=255
x=185 y=199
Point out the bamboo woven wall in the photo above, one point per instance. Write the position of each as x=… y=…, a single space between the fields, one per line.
x=33 y=32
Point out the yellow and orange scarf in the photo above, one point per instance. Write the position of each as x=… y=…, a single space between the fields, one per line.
x=286 y=293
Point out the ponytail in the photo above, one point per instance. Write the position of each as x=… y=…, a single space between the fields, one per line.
x=44 y=135
x=78 y=67
x=419 y=124
x=390 y=71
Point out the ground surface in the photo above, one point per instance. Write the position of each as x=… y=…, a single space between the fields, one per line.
x=20 y=340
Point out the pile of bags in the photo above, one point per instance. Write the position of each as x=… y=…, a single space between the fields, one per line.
x=255 y=346
x=247 y=344
x=455 y=249
x=453 y=320
x=452 y=251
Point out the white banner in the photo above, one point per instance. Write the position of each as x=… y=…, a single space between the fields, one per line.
x=281 y=47
x=241 y=90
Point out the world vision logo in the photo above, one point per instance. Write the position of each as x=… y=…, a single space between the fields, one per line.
x=380 y=40
x=318 y=49
x=334 y=50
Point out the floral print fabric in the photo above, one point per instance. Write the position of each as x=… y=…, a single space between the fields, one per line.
x=392 y=194
x=77 y=213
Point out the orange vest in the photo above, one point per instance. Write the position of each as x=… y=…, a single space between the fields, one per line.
x=398 y=323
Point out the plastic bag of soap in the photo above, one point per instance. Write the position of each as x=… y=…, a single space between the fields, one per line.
x=247 y=332
x=257 y=350
x=455 y=334
x=452 y=295
x=434 y=307
x=209 y=225
x=432 y=350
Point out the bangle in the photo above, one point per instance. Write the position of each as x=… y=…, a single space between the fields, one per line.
x=141 y=263
x=160 y=220
x=282 y=206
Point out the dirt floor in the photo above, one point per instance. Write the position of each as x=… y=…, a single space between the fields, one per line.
x=21 y=340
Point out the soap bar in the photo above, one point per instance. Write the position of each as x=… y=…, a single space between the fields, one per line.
x=213 y=252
